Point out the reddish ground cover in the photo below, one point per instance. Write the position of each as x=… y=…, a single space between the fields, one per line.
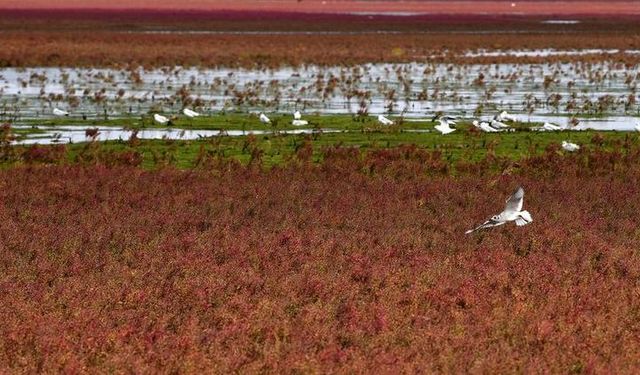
x=164 y=38
x=119 y=50
x=324 y=268
x=346 y=6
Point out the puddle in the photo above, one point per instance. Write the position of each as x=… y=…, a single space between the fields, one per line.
x=620 y=123
x=391 y=13
x=561 y=22
x=76 y=134
x=546 y=52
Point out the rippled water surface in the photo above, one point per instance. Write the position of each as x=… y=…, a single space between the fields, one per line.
x=603 y=95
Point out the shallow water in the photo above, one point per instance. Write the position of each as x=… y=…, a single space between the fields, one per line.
x=414 y=90
x=76 y=134
x=561 y=22
x=547 y=52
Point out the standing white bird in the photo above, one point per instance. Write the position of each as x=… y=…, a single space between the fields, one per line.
x=571 y=147
x=264 y=119
x=297 y=119
x=384 y=121
x=637 y=127
x=444 y=125
x=484 y=126
x=512 y=212
x=504 y=116
x=59 y=112
x=551 y=127
x=160 y=119
x=189 y=113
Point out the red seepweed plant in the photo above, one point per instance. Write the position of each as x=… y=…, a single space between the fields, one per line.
x=356 y=264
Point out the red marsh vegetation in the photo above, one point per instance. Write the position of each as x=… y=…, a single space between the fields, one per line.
x=527 y=7
x=251 y=39
x=352 y=265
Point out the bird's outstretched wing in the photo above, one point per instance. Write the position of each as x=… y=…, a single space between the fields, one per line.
x=524 y=219
x=487 y=224
x=514 y=203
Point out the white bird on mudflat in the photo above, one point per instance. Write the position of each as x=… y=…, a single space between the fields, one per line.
x=571 y=147
x=264 y=119
x=498 y=124
x=299 y=122
x=189 y=113
x=484 y=126
x=59 y=112
x=504 y=116
x=297 y=119
x=551 y=127
x=160 y=119
x=512 y=212
x=384 y=121
x=444 y=125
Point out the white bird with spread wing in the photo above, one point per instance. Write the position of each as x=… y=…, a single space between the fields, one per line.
x=384 y=121
x=297 y=119
x=444 y=125
x=512 y=212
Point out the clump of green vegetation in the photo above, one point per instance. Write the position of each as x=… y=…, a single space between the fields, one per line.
x=276 y=146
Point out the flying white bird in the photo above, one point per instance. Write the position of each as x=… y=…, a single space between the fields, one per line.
x=444 y=125
x=160 y=119
x=264 y=119
x=297 y=119
x=551 y=127
x=571 y=147
x=59 y=112
x=512 y=212
x=484 y=126
x=384 y=121
x=189 y=113
x=504 y=116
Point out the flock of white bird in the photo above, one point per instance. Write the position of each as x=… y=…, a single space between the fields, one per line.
x=496 y=124
x=446 y=124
